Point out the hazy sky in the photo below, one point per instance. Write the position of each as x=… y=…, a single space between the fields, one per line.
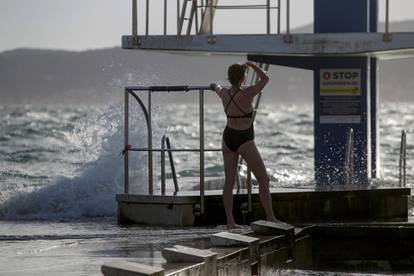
x=90 y=24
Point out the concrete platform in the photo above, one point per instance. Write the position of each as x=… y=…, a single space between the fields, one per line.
x=293 y=205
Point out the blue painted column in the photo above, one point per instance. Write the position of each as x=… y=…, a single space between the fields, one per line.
x=342 y=94
x=375 y=99
x=345 y=93
x=341 y=101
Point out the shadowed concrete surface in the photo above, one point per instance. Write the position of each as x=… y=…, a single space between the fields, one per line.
x=342 y=247
x=293 y=205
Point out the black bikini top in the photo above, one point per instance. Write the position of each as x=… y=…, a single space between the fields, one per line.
x=245 y=114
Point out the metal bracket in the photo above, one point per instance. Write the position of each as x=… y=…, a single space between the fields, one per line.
x=288 y=38
x=387 y=37
x=136 y=41
x=197 y=210
x=211 y=39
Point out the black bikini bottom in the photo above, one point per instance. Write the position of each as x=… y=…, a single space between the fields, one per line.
x=234 y=138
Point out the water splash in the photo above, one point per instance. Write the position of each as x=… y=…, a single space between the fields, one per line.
x=91 y=192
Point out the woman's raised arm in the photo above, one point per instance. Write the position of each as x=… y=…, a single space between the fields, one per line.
x=263 y=80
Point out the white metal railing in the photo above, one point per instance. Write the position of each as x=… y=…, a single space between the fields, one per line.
x=201 y=16
x=403 y=160
x=130 y=91
x=202 y=9
x=349 y=157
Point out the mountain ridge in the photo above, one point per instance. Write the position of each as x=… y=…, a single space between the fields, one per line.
x=99 y=75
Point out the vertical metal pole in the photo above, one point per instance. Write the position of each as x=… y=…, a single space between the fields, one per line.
x=197 y=28
x=405 y=160
x=150 y=165
x=402 y=160
x=268 y=16
x=249 y=190
x=387 y=18
x=126 y=141
x=134 y=19
x=349 y=157
x=170 y=156
x=211 y=18
x=193 y=10
x=182 y=17
x=288 y=37
x=165 y=17
x=163 y=165
x=178 y=17
x=352 y=167
x=201 y=104
x=147 y=18
x=288 y=18
x=278 y=16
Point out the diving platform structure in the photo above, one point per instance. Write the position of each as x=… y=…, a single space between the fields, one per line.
x=343 y=54
x=194 y=32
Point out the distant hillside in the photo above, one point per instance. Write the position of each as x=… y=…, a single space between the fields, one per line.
x=28 y=75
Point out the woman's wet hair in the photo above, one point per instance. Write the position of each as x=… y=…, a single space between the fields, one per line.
x=236 y=73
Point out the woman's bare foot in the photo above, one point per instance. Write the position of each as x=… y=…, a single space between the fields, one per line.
x=277 y=221
x=233 y=226
x=272 y=219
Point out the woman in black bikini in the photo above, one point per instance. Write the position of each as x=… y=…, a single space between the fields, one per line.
x=238 y=137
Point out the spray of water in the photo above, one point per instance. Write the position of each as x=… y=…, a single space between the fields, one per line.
x=91 y=192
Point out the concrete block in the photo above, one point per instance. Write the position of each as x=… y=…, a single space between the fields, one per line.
x=303 y=254
x=185 y=269
x=272 y=262
x=232 y=239
x=185 y=254
x=235 y=262
x=272 y=243
x=124 y=268
x=269 y=228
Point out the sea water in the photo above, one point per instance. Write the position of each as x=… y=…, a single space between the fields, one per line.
x=60 y=168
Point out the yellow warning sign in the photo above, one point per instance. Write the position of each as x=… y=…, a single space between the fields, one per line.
x=340 y=82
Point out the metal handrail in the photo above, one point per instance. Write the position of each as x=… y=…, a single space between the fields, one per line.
x=150 y=89
x=172 y=150
x=349 y=157
x=165 y=140
x=129 y=90
x=180 y=19
x=403 y=160
x=205 y=6
x=240 y=7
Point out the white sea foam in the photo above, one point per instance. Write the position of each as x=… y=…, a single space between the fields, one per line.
x=91 y=193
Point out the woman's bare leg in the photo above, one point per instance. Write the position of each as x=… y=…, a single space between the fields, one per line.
x=230 y=159
x=255 y=162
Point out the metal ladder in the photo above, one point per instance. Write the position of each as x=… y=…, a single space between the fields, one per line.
x=190 y=14
x=188 y=18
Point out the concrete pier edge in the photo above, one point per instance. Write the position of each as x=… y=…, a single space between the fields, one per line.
x=263 y=252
